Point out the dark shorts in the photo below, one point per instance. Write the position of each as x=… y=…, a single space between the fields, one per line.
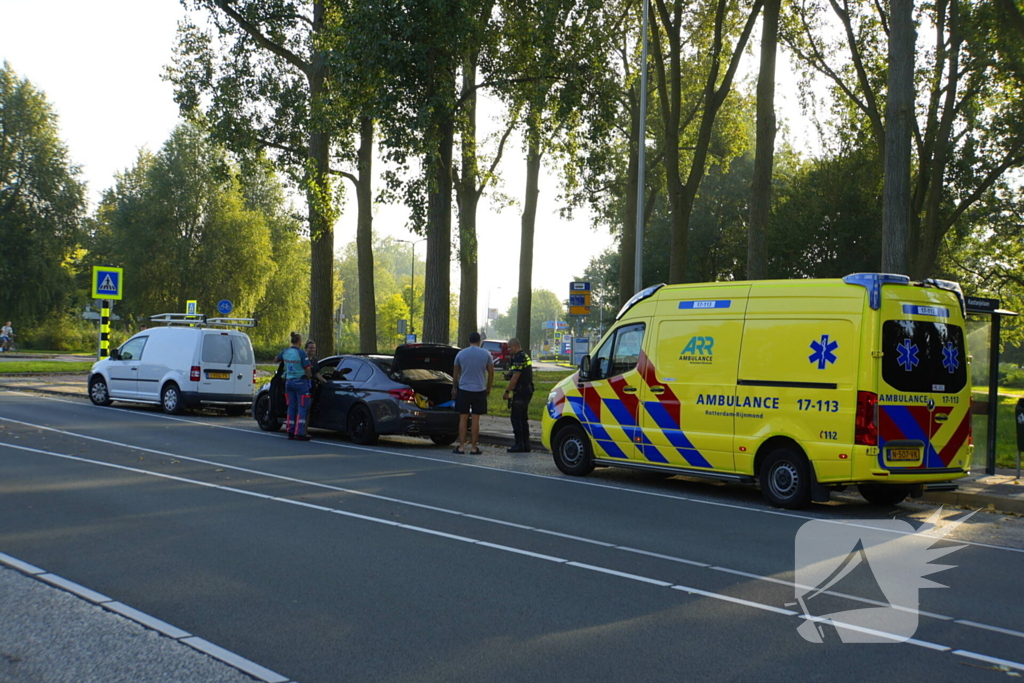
x=471 y=401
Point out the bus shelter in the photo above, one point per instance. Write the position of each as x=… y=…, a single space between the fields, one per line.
x=983 y=339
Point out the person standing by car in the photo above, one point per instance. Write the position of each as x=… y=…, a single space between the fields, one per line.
x=520 y=390
x=6 y=336
x=473 y=377
x=297 y=375
x=314 y=360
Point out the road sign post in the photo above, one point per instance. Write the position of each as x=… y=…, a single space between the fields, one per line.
x=107 y=284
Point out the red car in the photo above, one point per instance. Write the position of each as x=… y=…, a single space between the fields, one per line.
x=499 y=352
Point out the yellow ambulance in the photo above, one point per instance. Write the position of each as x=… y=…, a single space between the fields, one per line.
x=802 y=386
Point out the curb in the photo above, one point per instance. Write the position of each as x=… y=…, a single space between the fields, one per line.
x=981 y=501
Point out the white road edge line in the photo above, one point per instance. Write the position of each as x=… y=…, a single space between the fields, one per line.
x=564 y=480
x=990 y=660
x=458 y=513
x=162 y=627
x=632 y=577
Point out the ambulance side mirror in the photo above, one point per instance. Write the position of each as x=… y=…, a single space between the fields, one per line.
x=585 y=367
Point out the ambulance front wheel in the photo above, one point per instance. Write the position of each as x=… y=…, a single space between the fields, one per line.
x=572 y=451
x=786 y=479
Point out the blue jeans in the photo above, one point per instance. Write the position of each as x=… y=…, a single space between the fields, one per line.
x=297 y=396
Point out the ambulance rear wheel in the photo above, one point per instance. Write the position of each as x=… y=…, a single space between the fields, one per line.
x=786 y=479
x=884 y=494
x=572 y=451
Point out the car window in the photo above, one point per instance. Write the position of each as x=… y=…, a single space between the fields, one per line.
x=217 y=349
x=363 y=372
x=347 y=370
x=132 y=349
x=492 y=346
x=922 y=357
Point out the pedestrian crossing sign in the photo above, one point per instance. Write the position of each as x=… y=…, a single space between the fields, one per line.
x=107 y=282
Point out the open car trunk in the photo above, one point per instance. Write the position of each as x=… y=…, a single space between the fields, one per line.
x=427 y=369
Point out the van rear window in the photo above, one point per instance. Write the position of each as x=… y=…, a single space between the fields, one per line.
x=923 y=357
x=224 y=349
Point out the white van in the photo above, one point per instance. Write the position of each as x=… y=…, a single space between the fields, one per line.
x=180 y=366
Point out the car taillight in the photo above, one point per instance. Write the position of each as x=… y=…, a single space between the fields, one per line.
x=866 y=431
x=403 y=394
x=254 y=375
x=195 y=373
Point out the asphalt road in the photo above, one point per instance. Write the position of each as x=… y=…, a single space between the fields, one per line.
x=324 y=561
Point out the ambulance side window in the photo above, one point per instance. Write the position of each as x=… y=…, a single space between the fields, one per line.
x=620 y=352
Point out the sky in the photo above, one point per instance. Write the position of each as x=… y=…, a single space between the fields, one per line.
x=100 y=64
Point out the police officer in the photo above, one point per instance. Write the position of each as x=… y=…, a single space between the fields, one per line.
x=520 y=390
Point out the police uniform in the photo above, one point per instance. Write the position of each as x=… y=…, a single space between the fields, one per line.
x=521 y=395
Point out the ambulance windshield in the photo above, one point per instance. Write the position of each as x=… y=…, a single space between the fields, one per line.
x=923 y=357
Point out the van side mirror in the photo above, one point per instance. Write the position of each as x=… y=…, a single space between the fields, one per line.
x=585 y=367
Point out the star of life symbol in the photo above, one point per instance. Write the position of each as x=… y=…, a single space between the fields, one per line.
x=823 y=352
x=907 y=355
x=897 y=555
x=950 y=357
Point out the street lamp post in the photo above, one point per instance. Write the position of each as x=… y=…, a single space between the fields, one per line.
x=412 y=283
x=487 y=313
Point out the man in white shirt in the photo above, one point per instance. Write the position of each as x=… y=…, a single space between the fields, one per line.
x=474 y=375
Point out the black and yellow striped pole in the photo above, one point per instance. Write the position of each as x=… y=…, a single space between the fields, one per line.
x=105 y=329
x=107 y=285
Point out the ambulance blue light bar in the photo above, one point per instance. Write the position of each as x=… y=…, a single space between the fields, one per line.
x=873 y=283
x=637 y=298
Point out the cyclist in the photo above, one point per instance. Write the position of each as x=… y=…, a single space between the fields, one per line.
x=7 y=337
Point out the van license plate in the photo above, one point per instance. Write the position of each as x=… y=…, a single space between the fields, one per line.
x=904 y=454
x=218 y=375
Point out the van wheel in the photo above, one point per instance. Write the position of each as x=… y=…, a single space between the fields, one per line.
x=264 y=417
x=786 y=479
x=98 y=392
x=884 y=494
x=572 y=452
x=170 y=399
x=360 y=427
x=444 y=439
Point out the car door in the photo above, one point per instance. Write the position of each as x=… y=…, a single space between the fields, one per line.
x=338 y=393
x=124 y=372
x=611 y=395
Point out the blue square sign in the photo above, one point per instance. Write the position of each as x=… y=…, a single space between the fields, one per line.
x=106 y=282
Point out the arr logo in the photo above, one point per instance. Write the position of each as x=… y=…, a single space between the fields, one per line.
x=698 y=350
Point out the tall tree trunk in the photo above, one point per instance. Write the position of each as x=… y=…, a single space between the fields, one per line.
x=524 y=313
x=468 y=198
x=364 y=239
x=899 y=112
x=437 y=280
x=764 y=155
x=627 y=244
x=321 y=207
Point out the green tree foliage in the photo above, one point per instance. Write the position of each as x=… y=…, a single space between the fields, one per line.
x=546 y=306
x=179 y=225
x=42 y=206
x=392 y=271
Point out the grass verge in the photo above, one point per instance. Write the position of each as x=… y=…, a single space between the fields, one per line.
x=543 y=382
x=16 y=367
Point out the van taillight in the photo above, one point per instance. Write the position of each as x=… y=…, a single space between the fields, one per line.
x=254 y=375
x=195 y=374
x=403 y=394
x=866 y=431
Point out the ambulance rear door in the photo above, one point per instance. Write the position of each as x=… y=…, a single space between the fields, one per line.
x=924 y=396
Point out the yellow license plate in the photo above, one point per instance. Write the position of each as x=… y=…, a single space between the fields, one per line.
x=218 y=375
x=904 y=454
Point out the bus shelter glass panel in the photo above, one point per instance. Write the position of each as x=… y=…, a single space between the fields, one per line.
x=979 y=342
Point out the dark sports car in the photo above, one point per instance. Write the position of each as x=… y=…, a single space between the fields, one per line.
x=369 y=395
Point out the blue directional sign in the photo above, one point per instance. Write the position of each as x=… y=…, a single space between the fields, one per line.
x=410 y=339
x=225 y=306
x=106 y=282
